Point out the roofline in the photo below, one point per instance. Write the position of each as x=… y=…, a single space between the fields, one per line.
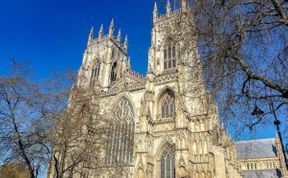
x=247 y=141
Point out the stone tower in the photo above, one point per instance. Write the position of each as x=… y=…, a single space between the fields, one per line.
x=166 y=124
x=169 y=117
x=179 y=141
x=105 y=59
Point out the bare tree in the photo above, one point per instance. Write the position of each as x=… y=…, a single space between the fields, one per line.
x=25 y=115
x=28 y=111
x=38 y=128
x=243 y=52
x=80 y=136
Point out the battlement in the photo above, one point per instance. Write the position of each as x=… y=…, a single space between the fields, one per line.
x=169 y=12
x=110 y=36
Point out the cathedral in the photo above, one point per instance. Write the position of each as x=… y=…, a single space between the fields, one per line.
x=170 y=121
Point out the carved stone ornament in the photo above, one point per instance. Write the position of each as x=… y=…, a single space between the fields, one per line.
x=140 y=173
x=181 y=162
x=168 y=139
x=181 y=136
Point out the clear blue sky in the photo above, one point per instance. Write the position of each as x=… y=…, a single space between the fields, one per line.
x=52 y=34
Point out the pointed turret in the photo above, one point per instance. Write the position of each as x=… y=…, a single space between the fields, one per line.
x=184 y=5
x=119 y=35
x=129 y=64
x=111 y=28
x=168 y=8
x=91 y=35
x=155 y=12
x=100 y=33
x=126 y=43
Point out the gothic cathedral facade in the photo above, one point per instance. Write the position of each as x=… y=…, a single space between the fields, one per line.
x=171 y=121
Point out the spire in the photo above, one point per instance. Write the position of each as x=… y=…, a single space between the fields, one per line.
x=129 y=64
x=126 y=43
x=184 y=5
x=111 y=28
x=100 y=34
x=155 y=12
x=91 y=32
x=119 y=35
x=90 y=38
x=168 y=8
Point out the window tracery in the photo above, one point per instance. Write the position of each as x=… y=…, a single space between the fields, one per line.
x=169 y=56
x=168 y=105
x=168 y=162
x=120 y=142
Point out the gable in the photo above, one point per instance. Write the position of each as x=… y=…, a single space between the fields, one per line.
x=128 y=80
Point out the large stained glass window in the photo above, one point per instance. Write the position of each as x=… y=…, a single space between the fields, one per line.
x=121 y=135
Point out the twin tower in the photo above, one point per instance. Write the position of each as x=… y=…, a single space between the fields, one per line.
x=106 y=59
x=163 y=125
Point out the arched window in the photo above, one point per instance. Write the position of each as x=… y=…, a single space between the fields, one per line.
x=95 y=73
x=121 y=135
x=113 y=72
x=168 y=162
x=170 y=55
x=168 y=105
